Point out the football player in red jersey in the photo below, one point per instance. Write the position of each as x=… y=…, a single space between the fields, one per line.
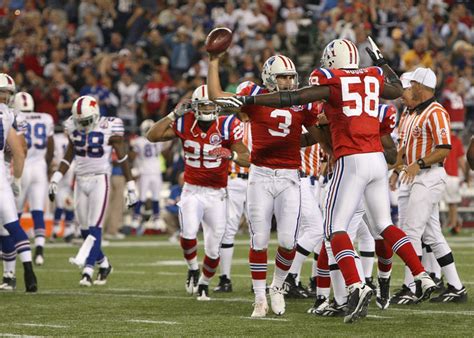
x=351 y=97
x=209 y=143
x=274 y=182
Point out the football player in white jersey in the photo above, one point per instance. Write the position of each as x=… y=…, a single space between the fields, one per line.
x=34 y=181
x=64 y=200
x=146 y=157
x=8 y=212
x=91 y=140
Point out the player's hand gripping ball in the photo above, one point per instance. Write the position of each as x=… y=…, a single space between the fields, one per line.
x=218 y=40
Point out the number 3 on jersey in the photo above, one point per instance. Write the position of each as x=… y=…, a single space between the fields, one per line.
x=354 y=103
x=283 y=127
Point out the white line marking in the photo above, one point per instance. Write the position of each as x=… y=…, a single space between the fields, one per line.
x=264 y=318
x=152 y=321
x=378 y=317
x=42 y=325
x=3 y=334
x=422 y=312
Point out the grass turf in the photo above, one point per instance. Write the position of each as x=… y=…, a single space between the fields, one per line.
x=145 y=296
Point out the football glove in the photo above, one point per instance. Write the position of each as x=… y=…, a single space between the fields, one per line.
x=233 y=101
x=132 y=197
x=179 y=111
x=16 y=186
x=375 y=54
x=53 y=185
x=221 y=152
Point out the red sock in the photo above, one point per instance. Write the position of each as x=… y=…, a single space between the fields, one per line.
x=323 y=280
x=258 y=264
x=284 y=258
x=345 y=257
x=189 y=248
x=209 y=266
x=400 y=244
x=384 y=255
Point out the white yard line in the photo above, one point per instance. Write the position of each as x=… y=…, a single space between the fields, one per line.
x=42 y=325
x=378 y=317
x=436 y=312
x=145 y=321
x=265 y=318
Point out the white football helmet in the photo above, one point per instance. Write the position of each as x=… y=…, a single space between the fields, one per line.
x=145 y=126
x=278 y=65
x=204 y=109
x=340 y=54
x=7 y=86
x=24 y=102
x=85 y=113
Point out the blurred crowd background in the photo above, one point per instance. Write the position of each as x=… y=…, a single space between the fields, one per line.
x=139 y=58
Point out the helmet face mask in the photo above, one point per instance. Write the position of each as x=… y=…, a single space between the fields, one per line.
x=85 y=113
x=204 y=109
x=275 y=66
x=340 y=54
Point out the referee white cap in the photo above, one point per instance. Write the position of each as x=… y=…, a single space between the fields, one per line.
x=424 y=76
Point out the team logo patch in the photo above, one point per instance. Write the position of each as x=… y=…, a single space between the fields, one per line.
x=104 y=124
x=314 y=80
x=215 y=139
x=416 y=132
x=443 y=132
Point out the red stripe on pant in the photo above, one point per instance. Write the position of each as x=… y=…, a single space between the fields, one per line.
x=258 y=264
x=383 y=250
x=209 y=266
x=323 y=264
x=284 y=258
x=189 y=248
x=407 y=253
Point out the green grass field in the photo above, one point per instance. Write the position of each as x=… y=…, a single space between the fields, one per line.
x=145 y=296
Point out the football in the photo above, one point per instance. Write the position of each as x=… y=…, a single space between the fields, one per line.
x=218 y=40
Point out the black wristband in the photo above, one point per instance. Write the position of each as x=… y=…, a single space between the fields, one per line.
x=285 y=99
x=380 y=62
x=248 y=100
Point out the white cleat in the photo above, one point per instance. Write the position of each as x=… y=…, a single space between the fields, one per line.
x=86 y=280
x=424 y=286
x=260 y=309
x=203 y=291
x=277 y=300
x=39 y=260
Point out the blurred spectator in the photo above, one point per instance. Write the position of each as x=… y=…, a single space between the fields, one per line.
x=90 y=29
x=182 y=52
x=225 y=17
x=106 y=18
x=248 y=66
x=419 y=56
x=128 y=96
x=155 y=46
x=452 y=100
x=67 y=95
x=115 y=44
x=291 y=12
x=56 y=64
x=87 y=8
x=282 y=42
x=115 y=208
x=95 y=89
x=154 y=97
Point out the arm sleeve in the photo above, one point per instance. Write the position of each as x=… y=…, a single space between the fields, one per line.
x=117 y=127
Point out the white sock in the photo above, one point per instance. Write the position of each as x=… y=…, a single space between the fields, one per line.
x=279 y=277
x=226 y=260
x=314 y=268
x=384 y=274
x=451 y=274
x=105 y=263
x=9 y=266
x=193 y=264
x=259 y=286
x=297 y=264
x=204 y=280
x=360 y=269
x=323 y=292
x=409 y=281
x=39 y=241
x=88 y=271
x=339 y=286
x=367 y=265
x=434 y=265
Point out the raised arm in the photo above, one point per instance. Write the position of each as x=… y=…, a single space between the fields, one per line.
x=213 y=81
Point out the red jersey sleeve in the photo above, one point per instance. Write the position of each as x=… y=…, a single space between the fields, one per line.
x=387 y=118
x=231 y=129
x=248 y=88
x=312 y=110
x=322 y=77
x=377 y=72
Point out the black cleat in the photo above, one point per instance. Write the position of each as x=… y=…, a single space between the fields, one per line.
x=8 y=282
x=31 y=284
x=333 y=310
x=39 y=256
x=404 y=296
x=370 y=283
x=102 y=275
x=192 y=282
x=312 y=287
x=440 y=288
x=357 y=302
x=383 y=293
x=451 y=295
x=86 y=280
x=319 y=306
x=294 y=290
x=225 y=284
x=203 y=292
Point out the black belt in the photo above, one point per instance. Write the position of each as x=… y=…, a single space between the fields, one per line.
x=436 y=165
x=312 y=178
x=239 y=175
